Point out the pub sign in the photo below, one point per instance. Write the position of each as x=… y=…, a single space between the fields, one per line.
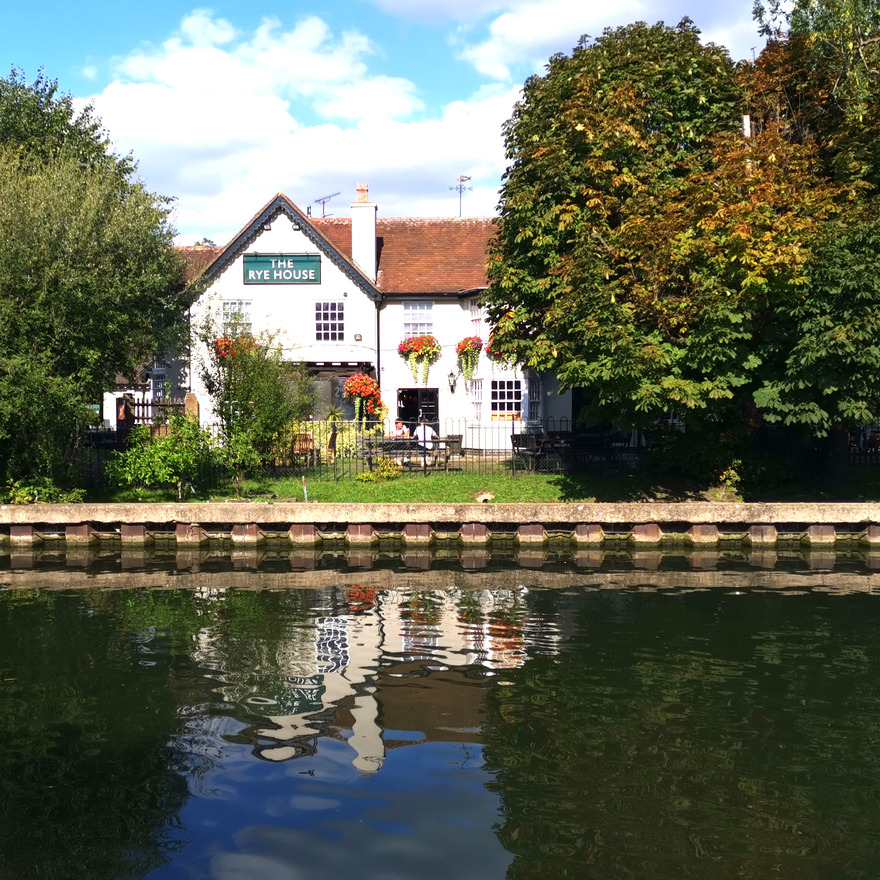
x=282 y=268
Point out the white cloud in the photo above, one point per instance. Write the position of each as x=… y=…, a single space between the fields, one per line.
x=226 y=121
x=440 y=10
x=201 y=29
x=527 y=32
x=304 y=63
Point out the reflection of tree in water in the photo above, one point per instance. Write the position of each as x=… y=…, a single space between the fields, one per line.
x=104 y=715
x=87 y=785
x=700 y=736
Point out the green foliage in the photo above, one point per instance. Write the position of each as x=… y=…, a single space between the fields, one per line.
x=385 y=469
x=37 y=118
x=42 y=491
x=40 y=416
x=255 y=393
x=176 y=457
x=649 y=253
x=90 y=283
x=610 y=124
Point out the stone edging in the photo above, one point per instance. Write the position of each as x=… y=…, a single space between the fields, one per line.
x=700 y=524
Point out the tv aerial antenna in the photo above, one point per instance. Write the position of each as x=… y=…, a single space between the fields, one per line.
x=460 y=188
x=323 y=202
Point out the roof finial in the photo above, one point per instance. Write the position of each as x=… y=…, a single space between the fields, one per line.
x=363 y=192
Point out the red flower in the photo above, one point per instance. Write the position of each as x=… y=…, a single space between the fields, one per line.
x=469 y=343
x=365 y=391
x=420 y=346
x=227 y=348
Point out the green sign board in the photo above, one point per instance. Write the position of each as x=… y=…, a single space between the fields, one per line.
x=282 y=268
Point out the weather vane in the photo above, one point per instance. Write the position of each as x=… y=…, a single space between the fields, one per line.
x=460 y=188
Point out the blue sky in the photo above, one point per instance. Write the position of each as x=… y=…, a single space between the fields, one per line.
x=224 y=105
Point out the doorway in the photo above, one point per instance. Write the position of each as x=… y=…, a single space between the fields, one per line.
x=414 y=404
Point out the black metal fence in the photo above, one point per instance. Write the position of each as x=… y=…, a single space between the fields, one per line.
x=344 y=450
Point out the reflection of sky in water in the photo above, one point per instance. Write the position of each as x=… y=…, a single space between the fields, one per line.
x=427 y=814
x=312 y=778
x=682 y=735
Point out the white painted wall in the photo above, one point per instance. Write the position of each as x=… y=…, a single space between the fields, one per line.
x=288 y=310
x=453 y=320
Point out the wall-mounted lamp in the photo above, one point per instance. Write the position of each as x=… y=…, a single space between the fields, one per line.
x=453 y=380
x=358 y=337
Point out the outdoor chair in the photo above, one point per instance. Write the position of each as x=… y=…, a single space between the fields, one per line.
x=303 y=449
x=527 y=448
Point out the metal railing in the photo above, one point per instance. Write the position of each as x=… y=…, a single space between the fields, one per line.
x=342 y=450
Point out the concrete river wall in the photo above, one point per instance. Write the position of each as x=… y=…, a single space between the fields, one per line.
x=699 y=525
x=832 y=547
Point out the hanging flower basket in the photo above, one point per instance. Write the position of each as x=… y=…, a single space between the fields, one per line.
x=364 y=391
x=420 y=352
x=468 y=353
x=495 y=356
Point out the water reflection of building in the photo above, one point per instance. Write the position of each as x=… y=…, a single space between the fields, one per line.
x=392 y=667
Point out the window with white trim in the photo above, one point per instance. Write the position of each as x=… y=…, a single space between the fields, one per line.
x=506 y=402
x=158 y=376
x=329 y=321
x=476 y=391
x=534 y=399
x=237 y=316
x=476 y=315
x=417 y=319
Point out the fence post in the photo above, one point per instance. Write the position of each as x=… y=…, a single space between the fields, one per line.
x=124 y=419
x=191 y=406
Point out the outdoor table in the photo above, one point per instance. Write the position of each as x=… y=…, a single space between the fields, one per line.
x=407 y=450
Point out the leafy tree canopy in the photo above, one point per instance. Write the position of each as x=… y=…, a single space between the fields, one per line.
x=254 y=392
x=648 y=252
x=45 y=123
x=90 y=283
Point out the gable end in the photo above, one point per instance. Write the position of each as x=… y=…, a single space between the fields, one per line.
x=281 y=205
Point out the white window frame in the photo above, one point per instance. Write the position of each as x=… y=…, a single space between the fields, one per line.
x=476 y=315
x=476 y=391
x=506 y=400
x=237 y=316
x=418 y=318
x=534 y=399
x=330 y=321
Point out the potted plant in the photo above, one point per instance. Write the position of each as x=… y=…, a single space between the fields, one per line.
x=468 y=352
x=420 y=351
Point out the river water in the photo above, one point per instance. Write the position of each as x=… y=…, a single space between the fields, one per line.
x=376 y=728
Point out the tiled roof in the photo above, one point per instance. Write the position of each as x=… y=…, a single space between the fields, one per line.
x=416 y=255
x=422 y=255
x=198 y=257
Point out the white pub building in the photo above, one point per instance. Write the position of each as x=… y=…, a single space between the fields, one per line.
x=342 y=294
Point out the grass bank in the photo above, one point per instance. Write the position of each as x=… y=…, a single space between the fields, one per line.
x=457 y=488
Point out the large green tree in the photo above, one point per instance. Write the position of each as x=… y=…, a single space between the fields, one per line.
x=90 y=283
x=650 y=253
x=606 y=129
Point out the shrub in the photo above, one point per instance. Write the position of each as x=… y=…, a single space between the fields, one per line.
x=173 y=459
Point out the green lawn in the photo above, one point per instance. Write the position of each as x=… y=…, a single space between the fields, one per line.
x=863 y=485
